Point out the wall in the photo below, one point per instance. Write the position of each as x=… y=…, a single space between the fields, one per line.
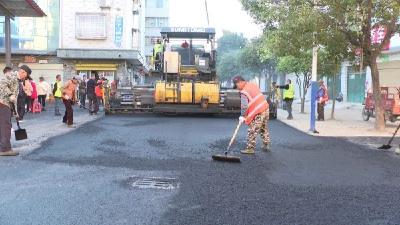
x=121 y=8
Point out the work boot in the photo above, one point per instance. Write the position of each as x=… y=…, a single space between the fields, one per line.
x=247 y=151
x=9 y=153
x=266 y=147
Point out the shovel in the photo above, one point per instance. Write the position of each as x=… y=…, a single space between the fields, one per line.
x=225 y=157
x=20 y=134
x=388 y=146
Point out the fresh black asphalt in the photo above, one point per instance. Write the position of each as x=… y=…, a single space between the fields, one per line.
x=84 y=177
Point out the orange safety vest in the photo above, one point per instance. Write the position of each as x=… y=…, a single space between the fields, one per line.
x=99 y=91
x=257 y=103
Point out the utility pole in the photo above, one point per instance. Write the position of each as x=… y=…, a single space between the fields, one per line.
x=7 y=43
x=208 y=20
x=314 y=86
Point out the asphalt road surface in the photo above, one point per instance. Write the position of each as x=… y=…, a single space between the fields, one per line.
x=158 y=170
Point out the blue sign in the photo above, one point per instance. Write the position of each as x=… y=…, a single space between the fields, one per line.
x=119 y=30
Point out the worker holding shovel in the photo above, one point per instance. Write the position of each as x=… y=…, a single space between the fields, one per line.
x=254 y=112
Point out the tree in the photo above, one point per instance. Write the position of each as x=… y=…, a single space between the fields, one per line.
x=301 y=67
x=255 y=60
x=230 y=41
x=335 y=50
x=227 y=65
x=229 y=48
x=355 y=19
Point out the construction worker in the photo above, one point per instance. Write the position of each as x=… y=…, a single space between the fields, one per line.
x=254 y=112
x=276 y=94
x=322 y=98
x=157 y=51
x=288 y=96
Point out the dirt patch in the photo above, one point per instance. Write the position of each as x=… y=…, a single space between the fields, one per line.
x=142 y=123
x=157 y=143
x=113 y=142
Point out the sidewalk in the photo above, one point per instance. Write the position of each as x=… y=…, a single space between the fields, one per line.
x=348 y=123
x=44 y=125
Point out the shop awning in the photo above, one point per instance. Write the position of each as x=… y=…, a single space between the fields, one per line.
x=16 y=8
x=20 y=8
x=131 y=56
x=100 y=67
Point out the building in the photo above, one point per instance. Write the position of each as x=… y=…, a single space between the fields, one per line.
x=157 y=16
x=102 y=37
x=34 y=40
x=354 y=84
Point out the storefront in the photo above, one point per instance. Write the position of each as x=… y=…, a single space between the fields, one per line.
x=111 y=64
x=107 y=70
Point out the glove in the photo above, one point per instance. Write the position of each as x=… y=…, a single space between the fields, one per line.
x=242 y=119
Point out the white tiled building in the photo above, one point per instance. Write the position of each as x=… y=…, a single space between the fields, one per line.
x=157 y=16
x=103 y=37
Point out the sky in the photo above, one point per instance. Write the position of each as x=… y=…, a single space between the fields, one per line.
x=223 y=14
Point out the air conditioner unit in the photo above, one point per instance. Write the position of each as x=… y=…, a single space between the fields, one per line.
x=105 y=3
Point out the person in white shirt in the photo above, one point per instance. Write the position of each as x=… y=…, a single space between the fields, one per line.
x=43 y=89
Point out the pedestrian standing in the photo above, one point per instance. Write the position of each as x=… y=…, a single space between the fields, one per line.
x=21 y=99
x=43 y=89
x=288 y=97
x=69 y=99
x=34 y=94
x=322 y=98
x=9 y=86
x=91 y=95
x=82 y=92
x=57 y=93
x=99 y=90
x=254 y=112
x=28 y=91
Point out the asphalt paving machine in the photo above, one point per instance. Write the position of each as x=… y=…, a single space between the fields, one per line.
x=185 y=82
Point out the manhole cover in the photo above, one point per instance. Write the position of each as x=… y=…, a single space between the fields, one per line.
x=154 y=182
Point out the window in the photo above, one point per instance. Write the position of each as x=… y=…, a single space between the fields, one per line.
x=151 y=40
x=156 y=22
x=135 y=39
x=155 y=3
x=90 y=26
x=150 y=22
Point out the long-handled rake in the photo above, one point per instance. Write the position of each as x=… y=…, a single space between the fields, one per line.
x=388 y=146
x=225 y=157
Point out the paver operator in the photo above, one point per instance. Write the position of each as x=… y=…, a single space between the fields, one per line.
x=254 y=112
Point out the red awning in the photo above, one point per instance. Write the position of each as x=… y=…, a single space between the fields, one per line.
x=20 y=8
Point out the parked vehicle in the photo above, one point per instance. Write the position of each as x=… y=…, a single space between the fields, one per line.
x=391 y=104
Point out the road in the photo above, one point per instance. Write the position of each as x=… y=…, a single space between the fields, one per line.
x=97 y=175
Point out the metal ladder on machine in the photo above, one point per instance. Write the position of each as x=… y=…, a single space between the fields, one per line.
x=176 y=88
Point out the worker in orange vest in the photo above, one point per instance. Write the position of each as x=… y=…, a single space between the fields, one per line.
x=254 y=112
x=99 y=91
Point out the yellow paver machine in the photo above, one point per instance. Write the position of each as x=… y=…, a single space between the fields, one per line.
x=185 y=80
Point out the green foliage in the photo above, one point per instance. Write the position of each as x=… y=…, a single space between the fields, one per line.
x=238 y=56
x=339 y=27
x=227 y=65
x=230 y=42
x=250 y=57
x=296 y=65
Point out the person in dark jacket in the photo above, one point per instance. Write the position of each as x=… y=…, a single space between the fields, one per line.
x=82 y=92
x=91 y=95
